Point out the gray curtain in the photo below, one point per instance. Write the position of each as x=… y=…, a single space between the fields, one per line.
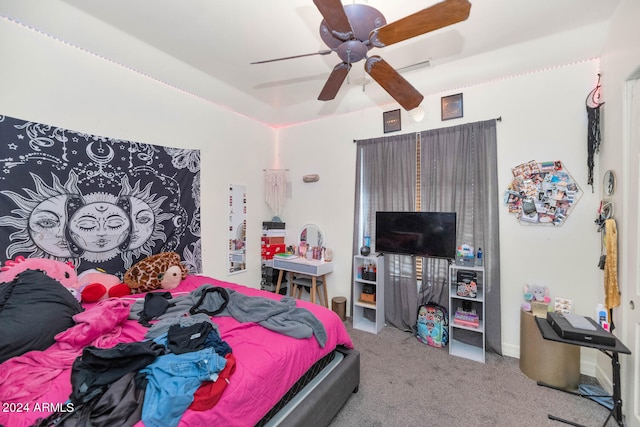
x=459 y=173
x=386 y=180
x=458 y=170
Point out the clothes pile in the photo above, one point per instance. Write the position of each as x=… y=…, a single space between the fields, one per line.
x=183 y=359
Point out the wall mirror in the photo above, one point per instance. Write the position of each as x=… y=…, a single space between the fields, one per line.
x=237 y=228
x=609 y=183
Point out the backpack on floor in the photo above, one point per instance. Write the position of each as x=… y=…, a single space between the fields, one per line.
x=433 y=325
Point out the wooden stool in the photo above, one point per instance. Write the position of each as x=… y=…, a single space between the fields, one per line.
x=308 y=274
x=299 y=281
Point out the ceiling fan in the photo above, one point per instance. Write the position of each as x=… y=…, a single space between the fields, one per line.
x=352 y=30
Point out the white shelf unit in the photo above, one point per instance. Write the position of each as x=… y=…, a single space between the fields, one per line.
x=467 y=341
x=368 y=316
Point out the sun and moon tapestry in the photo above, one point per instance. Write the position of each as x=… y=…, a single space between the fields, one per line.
x=95 y=201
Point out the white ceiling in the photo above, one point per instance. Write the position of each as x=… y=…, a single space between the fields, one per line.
x=205 y=47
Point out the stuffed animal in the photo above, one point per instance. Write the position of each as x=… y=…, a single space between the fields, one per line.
x=96 y=285
x=535 y=293
x=160 y=271
x=63 y=272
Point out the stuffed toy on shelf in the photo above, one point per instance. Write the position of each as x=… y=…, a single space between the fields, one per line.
x=536 y=298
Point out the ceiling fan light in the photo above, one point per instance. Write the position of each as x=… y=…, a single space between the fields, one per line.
x=417 y=114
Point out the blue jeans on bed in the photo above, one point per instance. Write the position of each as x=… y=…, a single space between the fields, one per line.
x=172 y=381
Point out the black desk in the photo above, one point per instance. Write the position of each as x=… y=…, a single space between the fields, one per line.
x=612 y=351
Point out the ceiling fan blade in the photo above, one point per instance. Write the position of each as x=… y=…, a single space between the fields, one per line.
x=396 y=85
x=335 y=80
x=320 y=52
x=334 y=15
x=439 y=15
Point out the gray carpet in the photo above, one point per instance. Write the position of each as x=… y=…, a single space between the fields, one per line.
x=406 y=383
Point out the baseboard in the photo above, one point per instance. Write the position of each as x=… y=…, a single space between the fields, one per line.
x=511 y=350
x=604 y=378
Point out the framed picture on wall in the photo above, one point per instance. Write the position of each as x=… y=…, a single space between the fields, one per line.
x=391 y=121
x=451 y=106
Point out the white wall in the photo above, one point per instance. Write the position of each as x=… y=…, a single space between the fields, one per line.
x=46 y=81
x=543 y=118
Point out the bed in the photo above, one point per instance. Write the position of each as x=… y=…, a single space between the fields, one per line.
x=278 y=379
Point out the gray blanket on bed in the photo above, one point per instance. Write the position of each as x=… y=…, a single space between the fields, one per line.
x=280 y=316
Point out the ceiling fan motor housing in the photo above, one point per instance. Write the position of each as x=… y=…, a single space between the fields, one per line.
x=352 y=51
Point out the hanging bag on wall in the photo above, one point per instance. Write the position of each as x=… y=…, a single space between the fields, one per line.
x=433 y=325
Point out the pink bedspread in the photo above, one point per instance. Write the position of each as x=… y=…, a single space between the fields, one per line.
x=267 y=363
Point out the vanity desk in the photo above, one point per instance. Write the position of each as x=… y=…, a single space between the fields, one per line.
x=302 y=272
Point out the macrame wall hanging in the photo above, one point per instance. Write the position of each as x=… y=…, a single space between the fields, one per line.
x=275 y=189
x=593 y=132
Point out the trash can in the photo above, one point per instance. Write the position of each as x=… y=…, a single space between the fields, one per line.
x=339 y=306
x=550 y=362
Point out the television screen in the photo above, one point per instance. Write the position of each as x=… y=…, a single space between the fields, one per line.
x=428 y=234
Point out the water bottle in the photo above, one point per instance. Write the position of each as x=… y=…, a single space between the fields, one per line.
x=479 y=257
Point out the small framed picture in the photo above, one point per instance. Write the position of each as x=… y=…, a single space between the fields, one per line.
x=451 y=106
x=391 y=121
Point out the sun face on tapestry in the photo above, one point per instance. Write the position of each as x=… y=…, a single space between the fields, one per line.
x=98 y=202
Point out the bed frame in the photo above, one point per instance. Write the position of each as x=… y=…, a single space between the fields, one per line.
x=325 y=399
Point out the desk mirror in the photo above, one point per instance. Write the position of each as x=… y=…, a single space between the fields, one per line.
x=311 y=235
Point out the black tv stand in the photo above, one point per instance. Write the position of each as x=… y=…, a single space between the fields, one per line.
x=611 y=351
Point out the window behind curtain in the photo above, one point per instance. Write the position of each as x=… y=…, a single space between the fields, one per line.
x=448 y=169
x=385 y=180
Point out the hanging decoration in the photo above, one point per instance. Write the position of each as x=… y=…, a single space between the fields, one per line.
x=275 y=189
x=611 y=290
x=542 y=193
x=593 y=105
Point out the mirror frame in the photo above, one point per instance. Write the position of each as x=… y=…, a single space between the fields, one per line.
x=237 y=231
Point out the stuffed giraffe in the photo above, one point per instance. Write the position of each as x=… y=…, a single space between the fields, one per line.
x=160 y=271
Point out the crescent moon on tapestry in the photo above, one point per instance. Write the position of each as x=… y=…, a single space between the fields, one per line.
x=105 y=158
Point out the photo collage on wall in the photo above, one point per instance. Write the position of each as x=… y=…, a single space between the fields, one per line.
x=541 y=193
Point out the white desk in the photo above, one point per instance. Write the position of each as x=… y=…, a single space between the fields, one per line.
x=308 y=267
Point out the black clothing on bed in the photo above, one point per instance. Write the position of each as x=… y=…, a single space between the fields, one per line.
x=34 y=308
x=155 y=304
x=120 y=405
x=189 y=338
x=97 y=368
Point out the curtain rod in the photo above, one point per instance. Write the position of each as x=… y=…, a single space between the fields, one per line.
x=497 y=119
x=264 y=170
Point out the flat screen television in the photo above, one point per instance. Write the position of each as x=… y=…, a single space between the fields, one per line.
x=427 y=234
